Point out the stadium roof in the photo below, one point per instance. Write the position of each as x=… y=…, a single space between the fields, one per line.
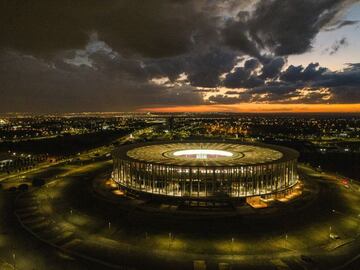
x=205 y=153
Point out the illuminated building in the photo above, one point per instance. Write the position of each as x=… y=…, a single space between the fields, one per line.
x=206 y=170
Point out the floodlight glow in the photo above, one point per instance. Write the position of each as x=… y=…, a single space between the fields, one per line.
x=203 y=153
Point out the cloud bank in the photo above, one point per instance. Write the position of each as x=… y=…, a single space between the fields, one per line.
x=124 y=55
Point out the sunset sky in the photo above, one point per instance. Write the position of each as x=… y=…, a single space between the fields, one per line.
x=180 y=56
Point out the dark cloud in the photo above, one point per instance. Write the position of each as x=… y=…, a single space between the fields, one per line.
x=29 y=84
x=232 y=92
x=205 y=69
x=202 y=67
x=347 y=78
x=242 y=78
x=150 y=28
x=353 y=66
x=337 y=87
x=345 y=94
x=251 y=64
x=237 y=78
x=284 y=27
x=296 y=84
x=276 y=88
x=246 y=77
x=206 y=90
x=341 y=24
x=42 y=26
x=272 y=68
x=298 y=73
x=153 y=28
x=236 y=35
x=223 y=99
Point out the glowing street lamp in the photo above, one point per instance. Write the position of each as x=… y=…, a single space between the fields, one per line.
x=14 y=257
x=170 y=239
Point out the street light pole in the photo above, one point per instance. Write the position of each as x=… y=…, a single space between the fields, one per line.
x=232 y=249
x=14 y=257
x=170 y=238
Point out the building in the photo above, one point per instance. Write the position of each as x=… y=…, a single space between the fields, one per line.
x=205 y=170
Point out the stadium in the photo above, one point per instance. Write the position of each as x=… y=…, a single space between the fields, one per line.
x=205 y=170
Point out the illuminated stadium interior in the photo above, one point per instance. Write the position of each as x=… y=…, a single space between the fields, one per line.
x=202 y=153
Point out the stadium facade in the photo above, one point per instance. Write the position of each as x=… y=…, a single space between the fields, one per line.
x=205 y=170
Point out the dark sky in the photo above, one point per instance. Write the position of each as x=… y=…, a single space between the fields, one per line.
x=123 y=55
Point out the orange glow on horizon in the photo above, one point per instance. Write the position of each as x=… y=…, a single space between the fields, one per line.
x=260 y=108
